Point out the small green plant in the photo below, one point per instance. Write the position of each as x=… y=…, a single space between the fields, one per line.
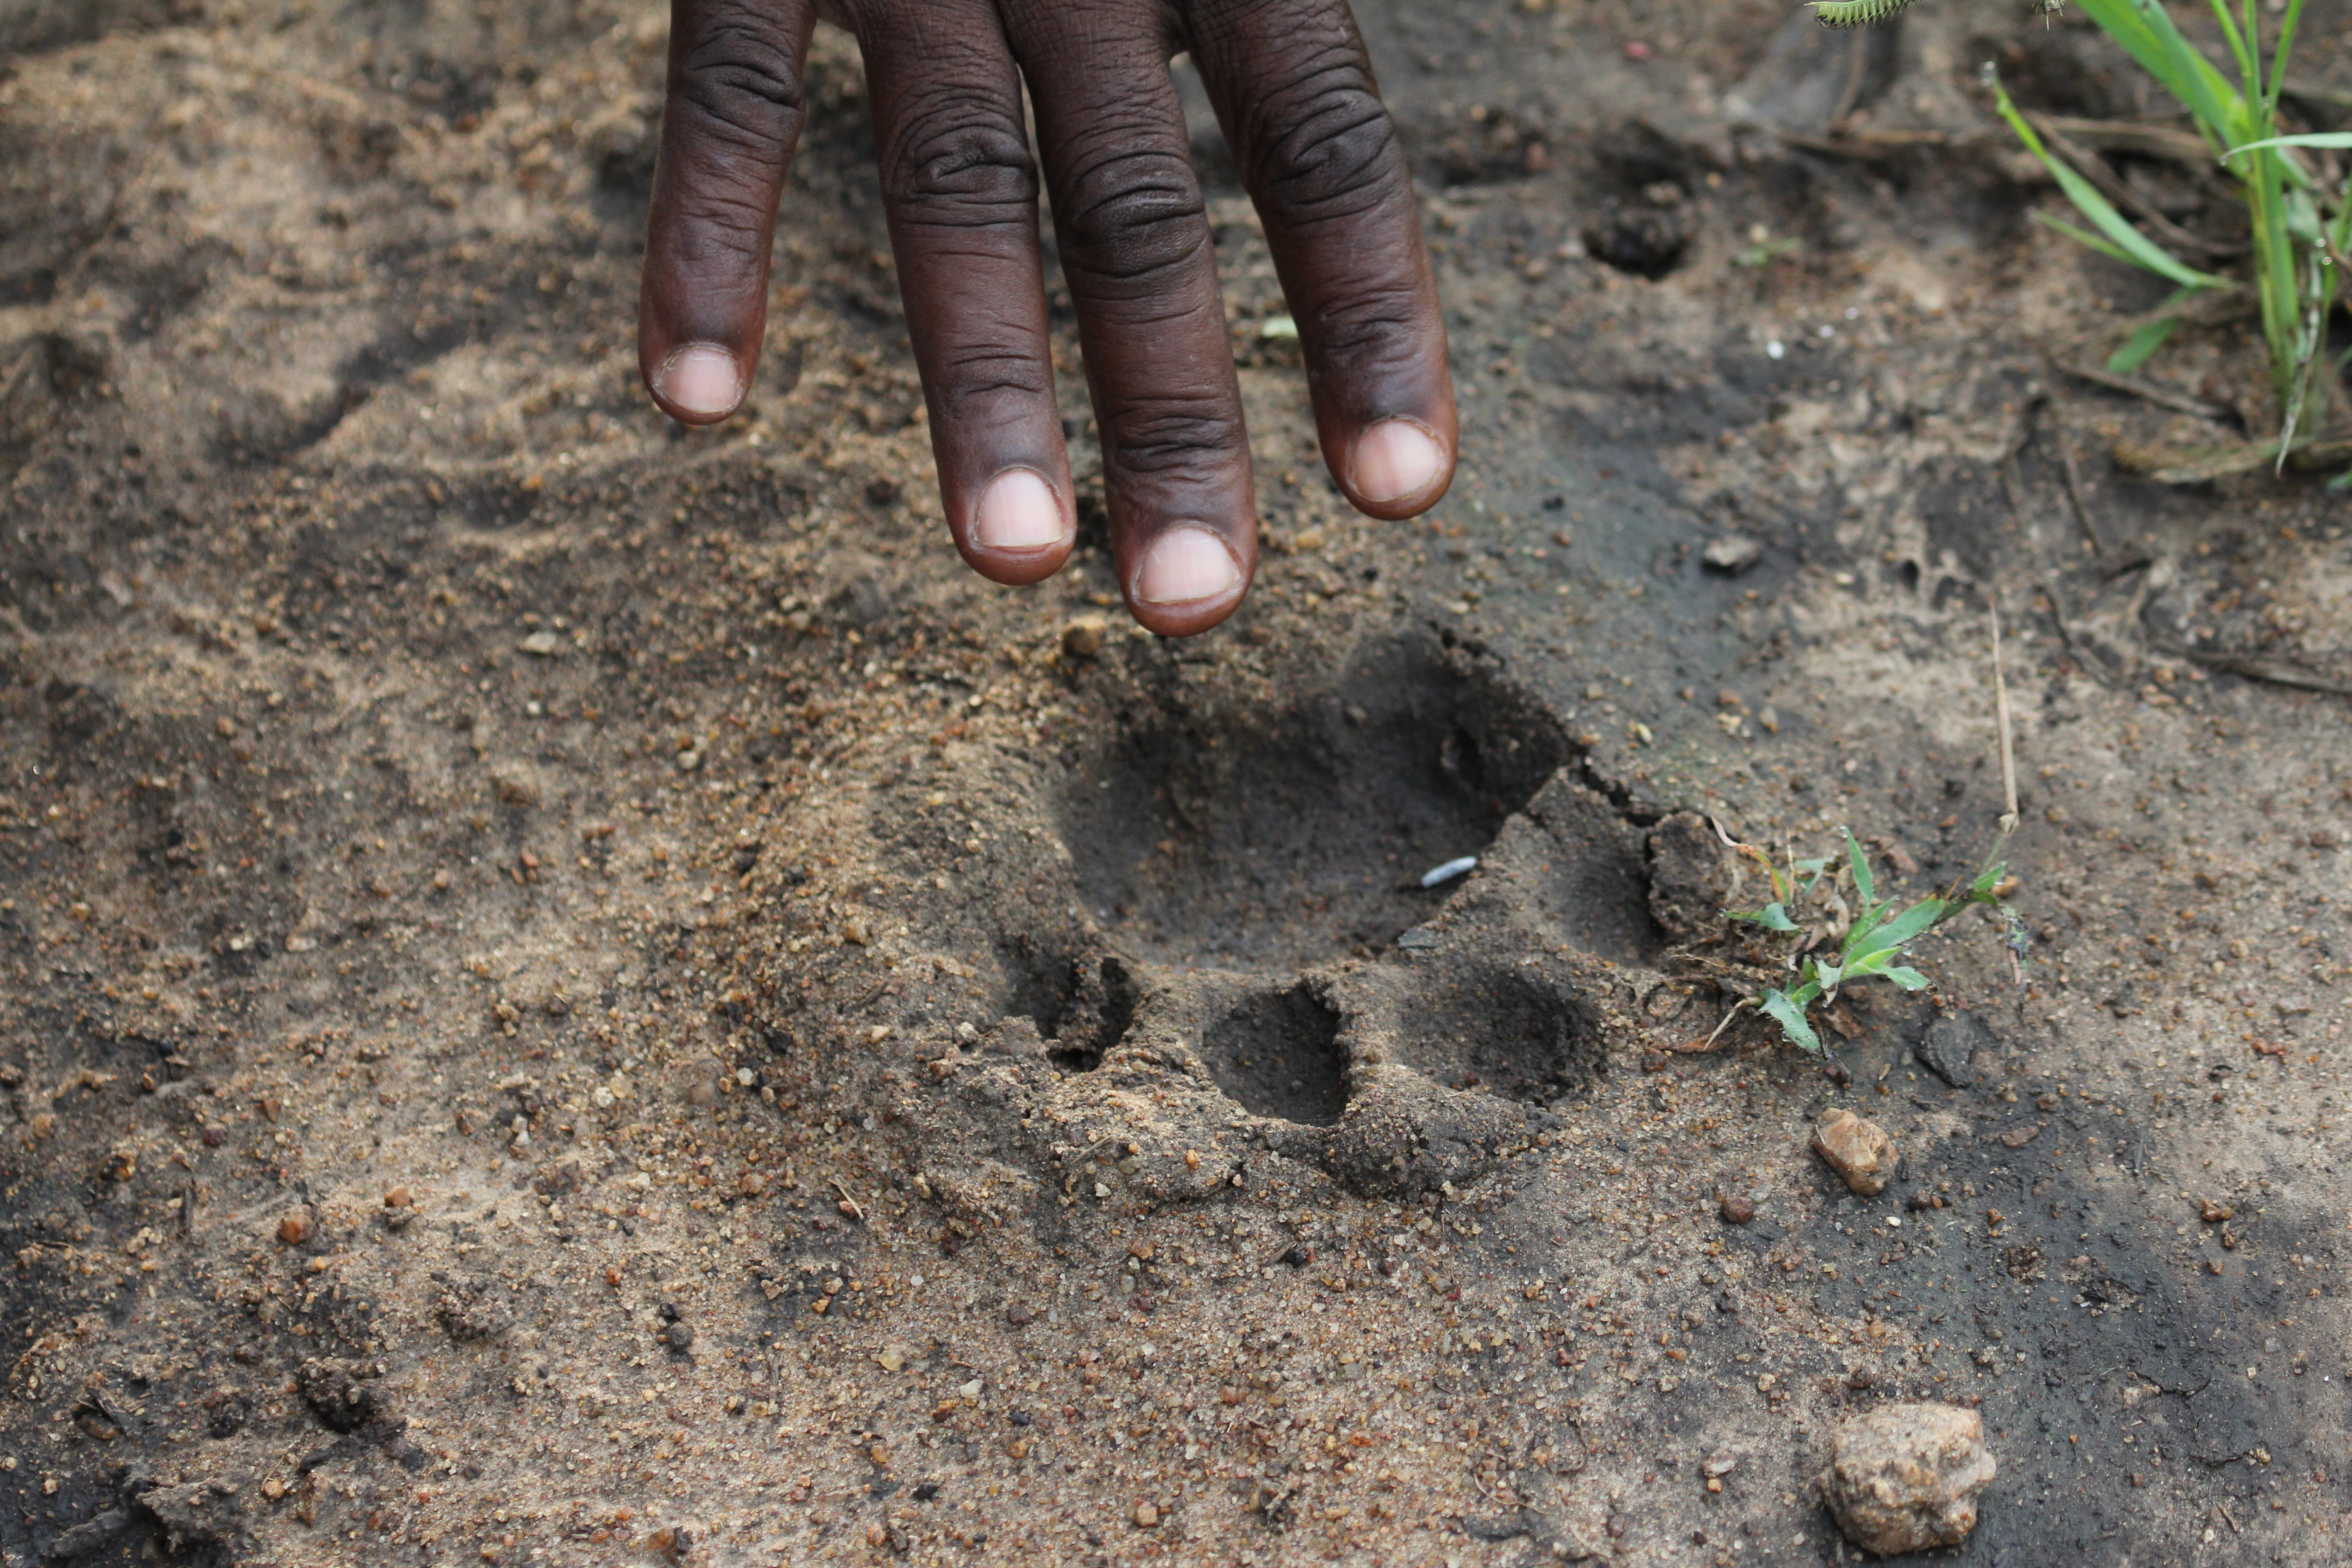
x=2300 y=228
x=1874 y=938
x=1871 y=946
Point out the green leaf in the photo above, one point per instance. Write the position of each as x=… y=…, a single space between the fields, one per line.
x=1919 y=919
x=1829 y=977
x=2141 y=346
x=2083 y=237
x=1791 y=1019
x=1876 y=962
x=1771 y=917
x=2147 y=32
x=2123 y=242
x=1860 y=864
x=1907 y=977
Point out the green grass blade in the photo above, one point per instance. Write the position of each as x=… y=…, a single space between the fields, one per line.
x=1908 y=978
x=1771 y=917
x=2084 y=237
x=2322 y=139
x=2188 y=278
x=2209 y=95
x=2123 y=242
x=2279 y=56
x=2242 y=46
x=2139 y=348
x=2146 y=31
x=1860 y=864
x=2275 y=284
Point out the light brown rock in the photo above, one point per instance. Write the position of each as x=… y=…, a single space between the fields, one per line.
x=1860 y=1151
x=1905 y=1478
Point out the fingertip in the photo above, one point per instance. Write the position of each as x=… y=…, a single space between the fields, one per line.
x=1020 y=530
x=1188 y=579
x=700 y=384
x=1398 y=468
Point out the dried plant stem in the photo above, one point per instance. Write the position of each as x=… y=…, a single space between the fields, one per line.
x=2008 y=753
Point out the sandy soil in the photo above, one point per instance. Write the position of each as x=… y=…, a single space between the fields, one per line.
x=578 y=993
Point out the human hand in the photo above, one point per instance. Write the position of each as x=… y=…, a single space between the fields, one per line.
x=1295 y=94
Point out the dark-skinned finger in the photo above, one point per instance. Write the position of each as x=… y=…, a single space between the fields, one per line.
x=961 y=191
x=1295 y=93
x=1136 y=253
x=733 y=113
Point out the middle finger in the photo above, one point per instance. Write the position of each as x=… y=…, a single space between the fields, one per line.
x=1137 y=257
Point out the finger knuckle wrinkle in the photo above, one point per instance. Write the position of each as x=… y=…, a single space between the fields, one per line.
x=977 y=375
x=1332 y=147
x=1378 y=330
x=718 y=224
x=963 y=168
x=1133 y=217
x=742 y=75
x=1175 y=437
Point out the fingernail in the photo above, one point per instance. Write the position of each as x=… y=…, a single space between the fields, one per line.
x=1394 y=459
x=1019 y=511
x=1184 y=565
x=701 y=379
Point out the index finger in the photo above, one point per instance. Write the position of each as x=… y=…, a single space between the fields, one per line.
x=731 y=118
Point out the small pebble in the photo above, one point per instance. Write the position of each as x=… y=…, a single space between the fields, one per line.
x=1146 y=1516
x=1860 y=1151
x=1905 y=1478
x=1731 y=553
x=293 y=1230
x=1736 y=1209
x=1460 y=866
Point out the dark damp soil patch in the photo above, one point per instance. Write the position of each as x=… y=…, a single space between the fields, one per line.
x=1495 y=1030
x=1082 y=1004
x=1278 y=1055
x=1277 y=838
